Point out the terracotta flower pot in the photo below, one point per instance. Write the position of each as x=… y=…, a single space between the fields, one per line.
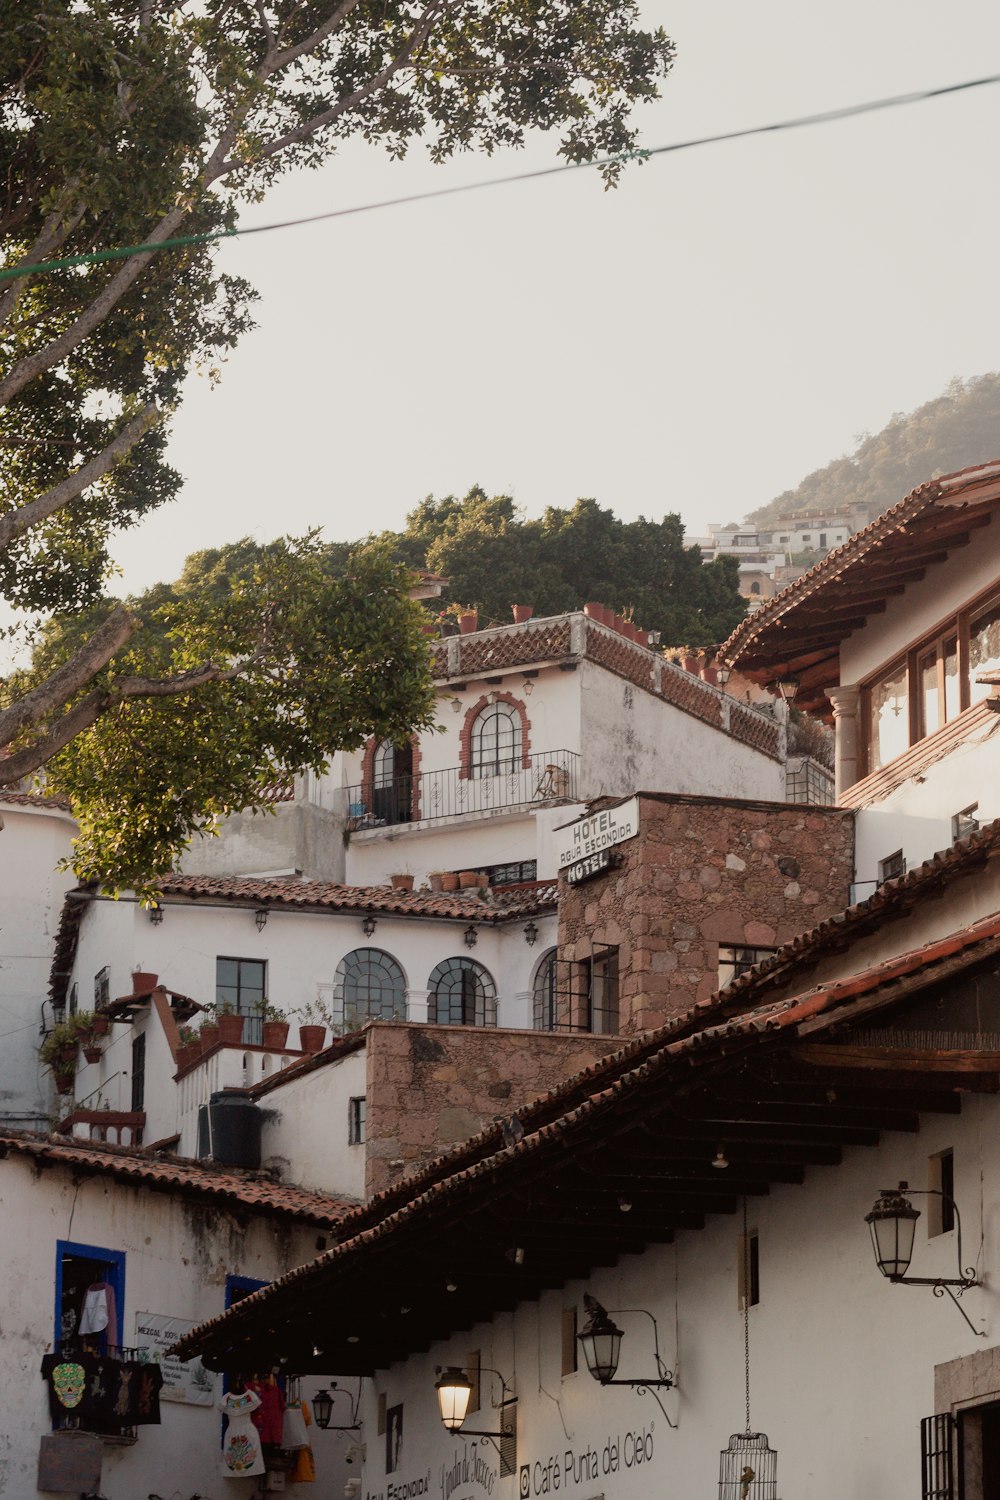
x=230 y=1028
x=483 y=882
x=67 y=1053
x=100 y=1025
x=449 y=880
x=143 y=983
x=64 y=1083
x=436 y=880
x=468 y=622
x=275 y=1034
x=311 y=1038
x=401 y=882
x=208 y=1035
x=468 y=880
x=92 y=1054
x=188 y=1055
x=522 y=613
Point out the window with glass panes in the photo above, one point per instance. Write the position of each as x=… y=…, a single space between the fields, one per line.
x=932 y=683
x=544 y=993
x=602 y=991
x=496 y=741
x=461 y=993
x=241 y=984
x=369 y=985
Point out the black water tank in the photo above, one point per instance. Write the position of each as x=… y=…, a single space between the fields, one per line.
x=234 y=1129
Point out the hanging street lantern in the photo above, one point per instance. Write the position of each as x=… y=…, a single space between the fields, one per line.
x=601 y=1342
x=454 y=1390
x=322 y=1408
x=893 y=1224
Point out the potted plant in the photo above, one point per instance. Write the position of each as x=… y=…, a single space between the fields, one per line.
x=449 y=880
x=312 y=1027
x=401 y=882
x=230 y=1023
x=189 y=1048
x=436 y=880
x=209 y=1033
x=468 y=880
x=59 y=1049
x=274 y=1028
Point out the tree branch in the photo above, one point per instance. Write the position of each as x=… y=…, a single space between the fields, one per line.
x=23 y=762
x=68 y=679
x=17 y=522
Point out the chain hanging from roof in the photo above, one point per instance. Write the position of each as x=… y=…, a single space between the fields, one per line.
x=748 y=1468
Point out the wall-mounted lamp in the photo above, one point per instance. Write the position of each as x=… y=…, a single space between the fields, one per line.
x=529 y=686
x=260 y=917
x=155 y=914
x=322 y=1410
x=787 y=687
x=530 y=934
x=368 y=925
x=454 y=1388
x=471 y=937
x=722 y=675
x=720 y=1160
x=456 y=705
x=601 y=1342
x=893 y=1223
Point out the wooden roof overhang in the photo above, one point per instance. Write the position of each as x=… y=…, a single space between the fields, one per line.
x=799 y=632
x=783 y=1090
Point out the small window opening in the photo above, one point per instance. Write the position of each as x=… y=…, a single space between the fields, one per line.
x=569 y=1344
x=356 y=1121
x=965 y=823
x=941 y=1179
x=892 y=867
x=748 y=1289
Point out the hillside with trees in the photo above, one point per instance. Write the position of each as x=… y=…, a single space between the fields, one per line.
x=956 y=429
x=493 y=558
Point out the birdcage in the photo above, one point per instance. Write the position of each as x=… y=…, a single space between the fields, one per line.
x=748 y=1468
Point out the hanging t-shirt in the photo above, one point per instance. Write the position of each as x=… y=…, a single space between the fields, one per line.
x=146 y=1404
x=241 y=1450
x=67 y=1377
x=99 y=1312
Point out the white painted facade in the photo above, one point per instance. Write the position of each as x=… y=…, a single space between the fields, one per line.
x=178 y=1255
x=842 y=1362
x=34 y=839
x=305 y=1132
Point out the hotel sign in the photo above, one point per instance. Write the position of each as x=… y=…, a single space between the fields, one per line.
x=592 y=836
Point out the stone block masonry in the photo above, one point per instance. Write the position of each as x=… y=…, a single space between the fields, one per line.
x=431 y=1087
x=703 y=873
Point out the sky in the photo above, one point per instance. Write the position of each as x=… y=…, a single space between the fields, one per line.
x=731 y=318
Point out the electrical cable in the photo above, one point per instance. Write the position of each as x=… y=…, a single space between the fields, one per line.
x=186 y=241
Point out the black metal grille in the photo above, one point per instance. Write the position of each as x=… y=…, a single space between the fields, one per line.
x=937 y=1457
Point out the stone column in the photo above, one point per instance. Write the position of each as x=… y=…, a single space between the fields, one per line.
x=845 y=724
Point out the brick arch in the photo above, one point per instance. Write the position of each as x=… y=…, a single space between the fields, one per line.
x=368 y=773
x=465 y=733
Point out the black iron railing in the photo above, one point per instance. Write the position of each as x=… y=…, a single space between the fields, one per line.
x=548 y=776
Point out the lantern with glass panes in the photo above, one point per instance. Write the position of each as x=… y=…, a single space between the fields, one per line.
x=893 y=1225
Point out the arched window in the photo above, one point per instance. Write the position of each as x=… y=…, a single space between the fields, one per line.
x=496 y=741
x=461 y=993
x=392 y=782
x=369 y=985
x=543 y=993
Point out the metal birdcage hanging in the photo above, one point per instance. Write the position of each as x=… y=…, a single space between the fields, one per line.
x=748 y=1468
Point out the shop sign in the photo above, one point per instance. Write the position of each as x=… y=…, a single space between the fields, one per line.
x=586 y=869
x=578 y=841
x=562 y=1473
x=183 y=1380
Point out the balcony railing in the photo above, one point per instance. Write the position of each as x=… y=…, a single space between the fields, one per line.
x=549 y=776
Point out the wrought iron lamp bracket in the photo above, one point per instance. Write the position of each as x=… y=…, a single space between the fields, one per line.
x=648 y=1384
x=506 y=1399
x=942 y=1285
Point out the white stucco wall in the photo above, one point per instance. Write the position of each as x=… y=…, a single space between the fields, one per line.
x=306 y=1127
x=177 y=1257
x=33 y=840
x=917 y=816
x=842 y=1362
x=633 y=741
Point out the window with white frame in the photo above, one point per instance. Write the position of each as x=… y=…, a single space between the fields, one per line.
x=543 y=993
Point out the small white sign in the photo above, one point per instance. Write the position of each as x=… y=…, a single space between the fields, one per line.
x=602 y=831
x=186 y=1380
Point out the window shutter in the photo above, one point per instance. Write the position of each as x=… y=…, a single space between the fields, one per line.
x=937 y=1457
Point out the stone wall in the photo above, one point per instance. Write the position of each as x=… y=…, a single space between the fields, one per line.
x=431 y=1087
x=702 y=872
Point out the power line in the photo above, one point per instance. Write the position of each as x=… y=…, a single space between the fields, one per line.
x=186 y=241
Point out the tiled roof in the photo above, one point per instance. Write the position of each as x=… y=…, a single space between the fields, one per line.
x=491 y=907
x=170 y=1174
x=582 y=1140
x=798 y=632
x=12 y=798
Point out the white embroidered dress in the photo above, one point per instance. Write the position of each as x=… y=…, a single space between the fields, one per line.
x=241 y=1450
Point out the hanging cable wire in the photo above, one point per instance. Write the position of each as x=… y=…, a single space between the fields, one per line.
x=186 y=241
x=746 y=1310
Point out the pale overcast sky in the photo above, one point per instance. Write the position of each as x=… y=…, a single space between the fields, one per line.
x=731 y=318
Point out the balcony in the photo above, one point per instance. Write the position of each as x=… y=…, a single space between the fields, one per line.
x=549 y=776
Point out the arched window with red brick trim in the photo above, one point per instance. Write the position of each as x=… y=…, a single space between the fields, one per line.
x=496 y=747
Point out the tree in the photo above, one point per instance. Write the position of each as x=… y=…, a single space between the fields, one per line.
x=959 y=428
x=128 y=122
x=493 y=558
